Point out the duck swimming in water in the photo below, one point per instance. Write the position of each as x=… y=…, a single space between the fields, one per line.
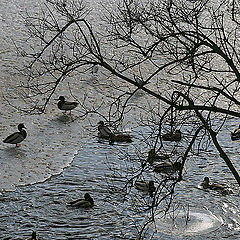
x=17 y=137
x=167 y=167
x=105 y=133
x=87 y=202
x=235 y=134
x=145 y=186
x=120 y=137
x=215 y=186
x=66 y=106
x=172 y=136
x=153 y=156
x=34 y=236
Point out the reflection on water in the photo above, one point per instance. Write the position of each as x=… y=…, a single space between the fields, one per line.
x=188 y=223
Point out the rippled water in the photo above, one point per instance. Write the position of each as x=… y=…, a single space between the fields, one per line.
x=65 y=160
x=42 y=206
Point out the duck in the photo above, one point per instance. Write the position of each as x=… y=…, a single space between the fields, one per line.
x=94 y=68
x=235 y=134
x=17 y=137
x=172 y=136
x=87 y=202
x=66 y=106
x=212 y=186
x=153 y=156
x=167 y=167
x=33 y=237
x=145 y=186
x=215 y=186
x=105 y=133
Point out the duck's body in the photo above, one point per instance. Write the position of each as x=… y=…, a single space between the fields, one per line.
x=235 y=134
x=105 y=133
x=17 y=137
x=145 y=186
x=153 y=156
x=34 y=236
x=66 y=106
x=87 y=202
x=94 y=69
x=167 y=167
x=212 y=186
x=120 y=137
x=172 y=136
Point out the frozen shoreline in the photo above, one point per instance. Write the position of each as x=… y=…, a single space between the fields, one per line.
x=50 y=146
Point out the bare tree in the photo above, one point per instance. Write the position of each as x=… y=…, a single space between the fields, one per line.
x=184 y=54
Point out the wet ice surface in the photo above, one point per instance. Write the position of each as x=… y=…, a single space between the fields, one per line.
x=53 y=138
x=42 y=154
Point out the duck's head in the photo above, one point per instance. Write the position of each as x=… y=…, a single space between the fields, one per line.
x=21 y=126
x=206 y=180
x=87 y=196
x=61 y=98
x=34 y=235
x=152 y=152
x=101 y=123
x=177 y=165
x=151 y=183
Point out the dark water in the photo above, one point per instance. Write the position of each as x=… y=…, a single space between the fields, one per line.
x=42 y=207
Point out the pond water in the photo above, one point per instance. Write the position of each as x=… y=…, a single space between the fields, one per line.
x=42 y=206
x=62 y=159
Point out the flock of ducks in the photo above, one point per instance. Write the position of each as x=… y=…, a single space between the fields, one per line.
x=18 y=137
x=104 y=132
